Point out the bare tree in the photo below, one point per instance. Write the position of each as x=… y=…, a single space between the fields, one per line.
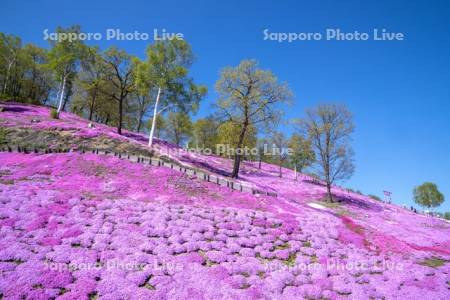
x=279 y=145
x=329 y=128
x=121 y=75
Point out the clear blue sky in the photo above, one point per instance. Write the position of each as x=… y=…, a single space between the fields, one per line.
x=399 y=91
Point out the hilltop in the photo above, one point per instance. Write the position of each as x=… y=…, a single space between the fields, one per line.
x=66 y=217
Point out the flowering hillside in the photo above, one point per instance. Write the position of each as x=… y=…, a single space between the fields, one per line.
x=82 y=226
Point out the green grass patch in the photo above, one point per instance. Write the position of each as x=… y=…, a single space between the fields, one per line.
x=290 y=262
x=54 y=114
x=282 y=246
x=306 y=244
x=433 y=262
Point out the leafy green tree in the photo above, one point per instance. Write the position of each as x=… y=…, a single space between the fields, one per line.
x=160 y=127
x=447 y=215
x=302 y=154
x=143 y=96
x=10 y=47
x=228 y=134
x=428 y=195
x=167 y=66
x=249 y=96
x=329 y=128
x=179 y=127
x=38 y=83
x=91 y=80
x=64 y=58
x=205 y=133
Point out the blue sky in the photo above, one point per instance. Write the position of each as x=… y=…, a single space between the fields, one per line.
x=399 y=91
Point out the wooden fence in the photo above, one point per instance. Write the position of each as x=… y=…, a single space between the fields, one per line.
x=153 y=161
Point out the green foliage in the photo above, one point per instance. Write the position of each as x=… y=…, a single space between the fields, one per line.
x=54 y=114
x=161 y=125
x=302 y=154
x=179 y=127
x=433 y=262
x=428 y=195
x=167 y=67
x=249 y=97
x=65 y=54
x=23 y=73
x=205 y=134
x=374 y=197
x=447 y=215
x=228 y=134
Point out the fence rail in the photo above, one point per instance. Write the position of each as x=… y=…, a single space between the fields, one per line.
x=148 y=160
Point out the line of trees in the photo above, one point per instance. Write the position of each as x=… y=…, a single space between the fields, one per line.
x=156 y=95
x=111 y=86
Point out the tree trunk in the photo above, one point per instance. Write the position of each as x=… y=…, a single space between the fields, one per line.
x=155 y=112
x=33 y=82
x=281 y=174
x=330 y=196
x=259 y=164
x=237 y=157
x=237 y=161
x=61 y=96
x=119 y=127
x=295 y=171
x=139 y=124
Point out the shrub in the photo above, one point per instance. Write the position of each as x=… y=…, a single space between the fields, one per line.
x=54 y=114
x=374 y=197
